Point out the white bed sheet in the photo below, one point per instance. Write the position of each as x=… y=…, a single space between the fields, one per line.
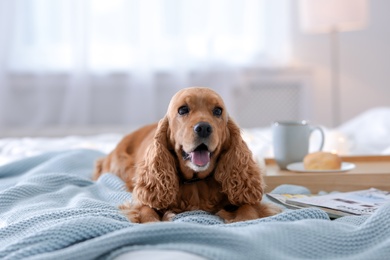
x=368 y=133
x=12 y=149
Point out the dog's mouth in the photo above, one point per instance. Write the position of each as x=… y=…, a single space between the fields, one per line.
x=200 y=156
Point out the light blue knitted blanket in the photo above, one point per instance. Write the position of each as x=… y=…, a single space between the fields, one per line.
x=50 y=209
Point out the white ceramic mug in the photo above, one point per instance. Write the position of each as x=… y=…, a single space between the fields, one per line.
x=291 y=141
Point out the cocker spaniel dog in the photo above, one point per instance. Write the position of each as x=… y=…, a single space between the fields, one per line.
x=193 y=159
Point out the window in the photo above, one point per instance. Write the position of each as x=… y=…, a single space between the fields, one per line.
x=124 y=35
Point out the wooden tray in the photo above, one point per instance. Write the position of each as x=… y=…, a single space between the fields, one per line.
x=370 y=171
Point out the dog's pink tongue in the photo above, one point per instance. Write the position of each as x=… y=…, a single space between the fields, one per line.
x=200 y=158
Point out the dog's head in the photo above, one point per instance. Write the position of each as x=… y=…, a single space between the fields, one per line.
x=197 y=139
x=197 y=120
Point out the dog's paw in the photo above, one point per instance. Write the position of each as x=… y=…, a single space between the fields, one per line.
x=139 y=213
x=273 y=209
x=249 y=212
x=168 y=216
x=227 y=216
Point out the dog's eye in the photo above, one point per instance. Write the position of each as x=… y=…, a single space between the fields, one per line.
x=217 y=111
x=183 y=110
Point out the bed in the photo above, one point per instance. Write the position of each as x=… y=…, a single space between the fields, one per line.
x=50 y=208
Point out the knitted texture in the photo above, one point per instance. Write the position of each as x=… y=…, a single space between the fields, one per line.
x=50 y=209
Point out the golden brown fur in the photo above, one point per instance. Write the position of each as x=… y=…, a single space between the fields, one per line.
x=193 y=159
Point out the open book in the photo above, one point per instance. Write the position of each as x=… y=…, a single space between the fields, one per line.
x=362 y=202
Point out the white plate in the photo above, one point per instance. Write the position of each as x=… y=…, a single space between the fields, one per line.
x=298 y=167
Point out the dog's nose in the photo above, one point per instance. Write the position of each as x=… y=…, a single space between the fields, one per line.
x=203 y=129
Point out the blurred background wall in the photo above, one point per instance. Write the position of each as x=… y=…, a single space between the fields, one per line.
x=364 y=62
x=93 y=66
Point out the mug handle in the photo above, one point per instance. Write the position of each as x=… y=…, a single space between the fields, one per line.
x=322 y=136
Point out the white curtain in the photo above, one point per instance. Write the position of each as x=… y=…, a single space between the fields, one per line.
x=83 y=62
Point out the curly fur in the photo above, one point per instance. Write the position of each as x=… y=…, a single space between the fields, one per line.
x=155 y=163
x=158 y=183
x=237 y=171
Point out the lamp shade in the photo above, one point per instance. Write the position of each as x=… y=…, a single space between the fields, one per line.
x=323 y=16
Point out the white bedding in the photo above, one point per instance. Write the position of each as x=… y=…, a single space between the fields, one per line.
x=368 y=133
x=12 y=149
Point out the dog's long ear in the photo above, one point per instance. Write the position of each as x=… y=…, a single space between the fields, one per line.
x=158 y=183
x=240 y=176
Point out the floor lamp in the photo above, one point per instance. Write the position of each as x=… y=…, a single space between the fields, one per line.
x=333 y=17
